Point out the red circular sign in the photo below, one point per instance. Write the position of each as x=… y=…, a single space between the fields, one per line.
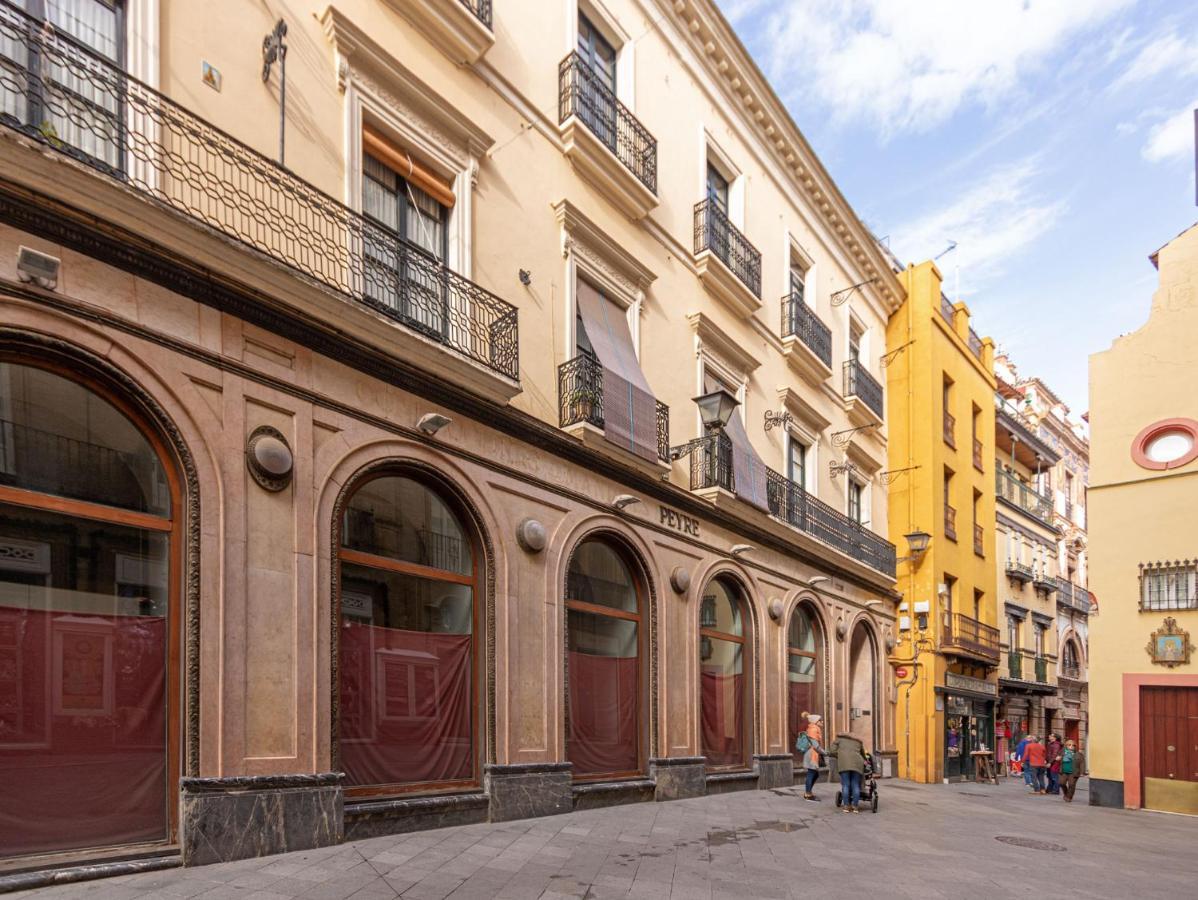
x=900 y=672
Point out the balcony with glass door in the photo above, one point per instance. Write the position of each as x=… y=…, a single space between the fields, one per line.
x=806 y=340
x=728 y=265
x=1022 y=496
x=605 y=142
x=399 y=300
x=862 y=395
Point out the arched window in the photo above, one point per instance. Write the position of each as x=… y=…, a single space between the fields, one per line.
x=407 y=672
x=804 y=688
x=1070 y=660
x=723 y=689
x=88 y=541
x=603 y=616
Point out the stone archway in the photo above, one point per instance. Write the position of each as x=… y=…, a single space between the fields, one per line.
x=863 y=686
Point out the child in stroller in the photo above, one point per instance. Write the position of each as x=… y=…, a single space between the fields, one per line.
x=869 y=784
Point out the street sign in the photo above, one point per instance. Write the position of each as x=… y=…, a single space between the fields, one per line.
x=900 y=672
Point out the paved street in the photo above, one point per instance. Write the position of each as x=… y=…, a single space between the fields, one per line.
x=926 y=841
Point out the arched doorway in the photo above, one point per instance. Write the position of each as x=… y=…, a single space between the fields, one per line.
x=408 y=584
x=804 y=671
x=90 y=553
x=724 y=665
x=605 y=602
x=863 y=686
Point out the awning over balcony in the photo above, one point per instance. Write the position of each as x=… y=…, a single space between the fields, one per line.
x=629 y=407
x=749 y=472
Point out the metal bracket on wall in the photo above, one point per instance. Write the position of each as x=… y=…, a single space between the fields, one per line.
x=843 y=438
x=888 y=358
x=839 y=298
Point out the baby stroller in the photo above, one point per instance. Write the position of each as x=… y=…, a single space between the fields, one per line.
x=869 y=785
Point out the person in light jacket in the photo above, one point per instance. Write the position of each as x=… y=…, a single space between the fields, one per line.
x=850 y=763
x=811 y=755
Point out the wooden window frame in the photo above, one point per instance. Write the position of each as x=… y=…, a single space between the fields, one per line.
x=169 y=525
x=387 y=564
x=742 y=603
x=812 y=655
x=598 y=609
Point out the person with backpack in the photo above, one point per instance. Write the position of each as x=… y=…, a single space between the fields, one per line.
x=1073 y=767
x=810 y=746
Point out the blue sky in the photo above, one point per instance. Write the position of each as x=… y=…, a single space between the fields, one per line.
x=1052 y=139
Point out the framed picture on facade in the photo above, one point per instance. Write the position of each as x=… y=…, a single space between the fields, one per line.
x=82 y=667
x=1170 y=645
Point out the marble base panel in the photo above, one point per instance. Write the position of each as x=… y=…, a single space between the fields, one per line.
x=1104 y=792
x=727 y=782
x=595 y=795
x=375 y=818
x=225 y=819
x=529 y=790
x=774 y=770
x=678 y=777
x=40 y=878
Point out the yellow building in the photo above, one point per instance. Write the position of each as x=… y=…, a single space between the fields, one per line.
x=1143 y=572
x=940 y=386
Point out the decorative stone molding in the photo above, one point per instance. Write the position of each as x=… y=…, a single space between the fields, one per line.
x=593 y=246
x=450 y=25
x=718 y=343
x=722 y=284
x=596 y=163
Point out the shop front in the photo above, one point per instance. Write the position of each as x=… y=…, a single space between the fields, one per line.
x=968 y=724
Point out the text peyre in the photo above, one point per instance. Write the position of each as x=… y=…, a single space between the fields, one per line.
x=679 y=522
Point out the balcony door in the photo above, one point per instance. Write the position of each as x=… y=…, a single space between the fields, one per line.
x=407 y=247
x=597 y=82
x=58 y=67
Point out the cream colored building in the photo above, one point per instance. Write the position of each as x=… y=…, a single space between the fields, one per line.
x=1142 y=561
x=1041 y=474
x=405 y=514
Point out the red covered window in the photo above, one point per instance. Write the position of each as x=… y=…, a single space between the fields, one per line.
x=802 y=672
x=722 y=665
x=407 y=693
x=603 y=614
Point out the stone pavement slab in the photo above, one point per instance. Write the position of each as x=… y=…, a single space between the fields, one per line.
x=928 y=841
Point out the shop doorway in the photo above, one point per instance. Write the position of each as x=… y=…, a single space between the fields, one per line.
x=1169 y=748
x=968 y=726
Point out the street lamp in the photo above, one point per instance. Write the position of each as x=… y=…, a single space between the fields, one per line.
x=917 y=544
x=715 y=409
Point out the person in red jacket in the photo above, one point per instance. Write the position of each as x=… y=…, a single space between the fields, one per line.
x=1035 y=755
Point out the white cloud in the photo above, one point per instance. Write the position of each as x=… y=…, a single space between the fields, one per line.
x=991 y=222
x=1172 y=138
x=909 y=65
x=1167 y=54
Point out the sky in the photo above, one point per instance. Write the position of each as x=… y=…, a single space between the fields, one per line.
x=1053 y=140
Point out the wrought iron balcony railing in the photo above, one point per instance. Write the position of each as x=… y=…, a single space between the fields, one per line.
x=711 y=462
x=859 y=383
x=800 y=320
x=1015 y=664
x=1074 y=672
x=1041 y=670
x=481 y=10
x=1020 y=572
x=582 y=93
x=1169 y=585
x=1023 y=496
x=950 y=429
x=950 y=522
x=1073 y=595
x=716 y=233
x=975 y=344
x=789 y=502
x=55 y=91
x=580 y=399
x=972 y=636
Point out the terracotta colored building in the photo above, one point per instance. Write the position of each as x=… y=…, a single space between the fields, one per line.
x=366 y=492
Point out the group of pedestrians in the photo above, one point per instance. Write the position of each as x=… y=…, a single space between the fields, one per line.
x=1050 y=767
x=852 y=762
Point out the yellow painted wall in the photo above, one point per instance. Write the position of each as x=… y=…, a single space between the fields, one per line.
x=1139 y=515
x=914 y=381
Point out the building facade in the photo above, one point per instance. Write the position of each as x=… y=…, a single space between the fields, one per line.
x=1143 y=491
x=366 y=492
x=1041 y=473
x=940 y=382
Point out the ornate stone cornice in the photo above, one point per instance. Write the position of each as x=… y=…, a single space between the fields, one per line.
x=360 y=58
x=751 y=95
x=585 y=239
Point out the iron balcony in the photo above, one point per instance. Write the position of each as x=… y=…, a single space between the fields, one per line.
x=859 y=383
x=580 y=399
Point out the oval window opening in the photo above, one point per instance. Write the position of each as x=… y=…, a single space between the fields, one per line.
x=1169 y=446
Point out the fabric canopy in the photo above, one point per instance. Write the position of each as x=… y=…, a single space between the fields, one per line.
x=400 y=161
x=748 y=470
x=629 y=407
x=603 y=714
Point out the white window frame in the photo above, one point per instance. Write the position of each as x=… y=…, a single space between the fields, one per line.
x=714 y=154
x=621 y=41
x=794 y=252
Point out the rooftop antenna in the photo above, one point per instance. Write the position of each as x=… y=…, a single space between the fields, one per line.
x=952 y=245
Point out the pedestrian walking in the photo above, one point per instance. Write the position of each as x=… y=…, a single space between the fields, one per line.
x=811 y=745
x=1018 y=757
x=1073 y=767
x=1035 y=760
x=1054 y=751
x=850 y=763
